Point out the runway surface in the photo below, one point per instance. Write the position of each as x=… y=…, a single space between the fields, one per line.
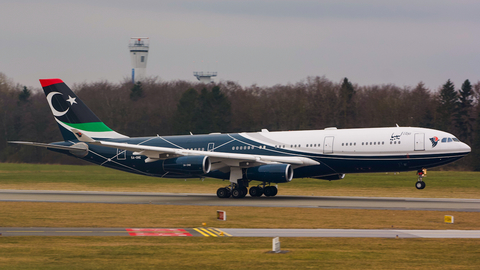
x=441 y=204
x=221 y=232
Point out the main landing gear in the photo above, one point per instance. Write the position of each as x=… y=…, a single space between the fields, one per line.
x=421 y=173
x=240 y=191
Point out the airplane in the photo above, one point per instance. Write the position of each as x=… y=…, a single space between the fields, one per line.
x=264 y=157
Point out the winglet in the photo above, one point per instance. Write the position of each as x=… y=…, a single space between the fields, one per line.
x=82 y=136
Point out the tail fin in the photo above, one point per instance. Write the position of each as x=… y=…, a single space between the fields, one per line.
x=71 y=113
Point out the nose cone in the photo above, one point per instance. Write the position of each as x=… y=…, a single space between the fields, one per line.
x=466 y=148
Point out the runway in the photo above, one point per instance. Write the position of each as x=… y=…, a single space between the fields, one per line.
x=222 y=232
x=436 y=204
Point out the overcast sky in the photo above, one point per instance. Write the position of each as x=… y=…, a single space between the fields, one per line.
x=259 y=42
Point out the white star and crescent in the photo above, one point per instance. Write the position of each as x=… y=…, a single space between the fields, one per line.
x=54 y=111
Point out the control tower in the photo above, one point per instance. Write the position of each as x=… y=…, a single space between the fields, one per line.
x=138 y=54
x=204 y=77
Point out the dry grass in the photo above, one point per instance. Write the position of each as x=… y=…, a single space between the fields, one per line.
x=26 y=214
x=236 y=253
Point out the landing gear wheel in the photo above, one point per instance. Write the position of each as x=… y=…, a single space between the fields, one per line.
x=256 y=191
x=223 y=193
x=245 y=191
x=420 y=185
x=270 y=191
x=238 y=193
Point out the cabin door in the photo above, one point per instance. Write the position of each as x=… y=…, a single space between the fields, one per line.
x=211 y=146
x=121 y=154
x=328 y=145
x=419 y=141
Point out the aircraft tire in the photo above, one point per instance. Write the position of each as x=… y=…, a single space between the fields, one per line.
x=420 y=185
x=245 y=191
x=223 y=193
x=255 y=191
x=238 y=193
x=270 y=191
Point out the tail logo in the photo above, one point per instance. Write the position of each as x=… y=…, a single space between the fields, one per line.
x=434 y=141
x=54 y=111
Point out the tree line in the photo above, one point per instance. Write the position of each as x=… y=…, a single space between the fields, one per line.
x=181 y=107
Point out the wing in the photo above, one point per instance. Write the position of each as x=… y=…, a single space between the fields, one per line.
x=219 y=159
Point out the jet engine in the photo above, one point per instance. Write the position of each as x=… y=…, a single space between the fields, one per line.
x=188 y=164
x=275 y=173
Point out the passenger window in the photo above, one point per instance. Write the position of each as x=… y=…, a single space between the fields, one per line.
x=399 y=142
x=375 y=143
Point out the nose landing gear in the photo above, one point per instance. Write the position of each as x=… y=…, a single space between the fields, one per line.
x=421 y=173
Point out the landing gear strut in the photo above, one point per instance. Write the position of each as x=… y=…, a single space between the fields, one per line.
x=421 y=173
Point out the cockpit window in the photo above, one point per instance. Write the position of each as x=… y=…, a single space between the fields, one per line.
x=450 y=140
x=444 y=140
x=455 y=140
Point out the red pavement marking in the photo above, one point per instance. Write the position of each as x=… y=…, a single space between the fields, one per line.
x=154 y=230
x=159 y=234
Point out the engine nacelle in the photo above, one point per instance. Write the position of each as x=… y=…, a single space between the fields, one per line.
x=188 y=164
x=275 y=173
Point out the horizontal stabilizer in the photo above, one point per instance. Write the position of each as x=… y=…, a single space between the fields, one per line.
x=53 y=146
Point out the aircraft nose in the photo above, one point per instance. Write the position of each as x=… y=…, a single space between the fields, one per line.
x=466 y=148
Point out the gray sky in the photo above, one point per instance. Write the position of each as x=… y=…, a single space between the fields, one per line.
x=260 y=42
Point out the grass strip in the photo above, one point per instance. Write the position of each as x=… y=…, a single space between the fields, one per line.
x=235 y=253
x=32 y=214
